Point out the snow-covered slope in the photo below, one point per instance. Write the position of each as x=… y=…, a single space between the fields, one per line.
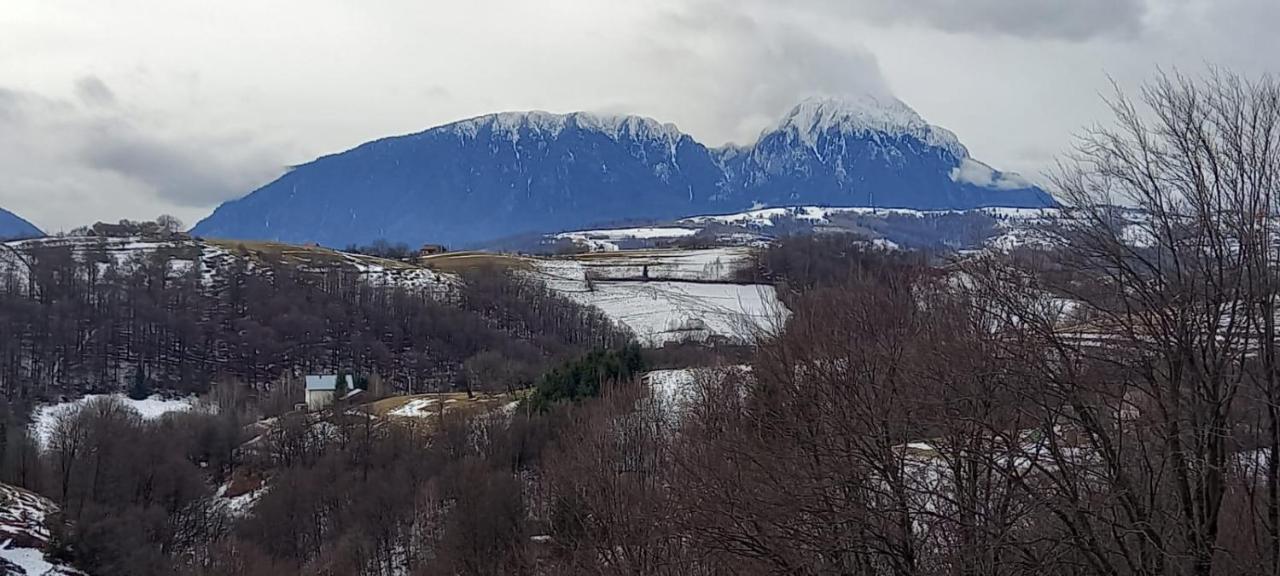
x=514 y=173
x=44 y=418
x=864 y=116
x=670 y=296
x=24 y=535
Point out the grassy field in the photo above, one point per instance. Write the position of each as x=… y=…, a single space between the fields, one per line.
x=455 y=262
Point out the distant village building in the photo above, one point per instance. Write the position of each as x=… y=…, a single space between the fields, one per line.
x=431 y=249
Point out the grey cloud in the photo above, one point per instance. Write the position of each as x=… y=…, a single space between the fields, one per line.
x=1075 y=20
x=93 y=91
x=742 y=69
x=193 y=173
x=63 y=162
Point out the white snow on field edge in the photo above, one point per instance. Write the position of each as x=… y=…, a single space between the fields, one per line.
x=45 y=417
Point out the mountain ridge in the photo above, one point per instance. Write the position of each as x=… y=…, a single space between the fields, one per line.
x=473 y=180
x=14 y=227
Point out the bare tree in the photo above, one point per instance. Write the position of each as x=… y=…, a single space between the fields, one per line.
x=1166 y=380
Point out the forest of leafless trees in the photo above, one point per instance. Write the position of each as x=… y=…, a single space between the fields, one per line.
x=1104 y=401
x=82 y=321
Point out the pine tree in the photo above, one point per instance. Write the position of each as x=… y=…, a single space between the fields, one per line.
x=340 y=387
x=141 y=389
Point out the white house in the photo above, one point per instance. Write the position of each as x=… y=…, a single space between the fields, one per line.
x=320 y=389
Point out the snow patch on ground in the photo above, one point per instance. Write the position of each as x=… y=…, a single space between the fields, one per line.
x=241 y=505
x=417 y=408
x=31 y=561
x=44 y=417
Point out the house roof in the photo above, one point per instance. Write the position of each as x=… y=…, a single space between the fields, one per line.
x=322 y=382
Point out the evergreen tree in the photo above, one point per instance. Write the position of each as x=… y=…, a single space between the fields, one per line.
x=141 y=389
x=340 y=387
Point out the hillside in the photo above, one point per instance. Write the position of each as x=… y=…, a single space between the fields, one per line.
x=24 y=536
x=936 y=230
x=210 y=258
x=495 y=176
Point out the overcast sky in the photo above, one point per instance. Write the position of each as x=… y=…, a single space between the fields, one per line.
x=132 y=108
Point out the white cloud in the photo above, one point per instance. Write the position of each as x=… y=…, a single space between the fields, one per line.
x=971 y=171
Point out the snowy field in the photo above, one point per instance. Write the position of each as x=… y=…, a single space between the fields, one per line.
x=707 y=265
x=662 y=311
x=682 y=300
x=44 y=417
x=419 y=408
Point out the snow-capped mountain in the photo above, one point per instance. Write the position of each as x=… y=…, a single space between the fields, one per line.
x=13 y=227
x=513 y=173
x=869 y=152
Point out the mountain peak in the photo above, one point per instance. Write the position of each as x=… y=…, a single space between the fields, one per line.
x=512 y=124
x=865 y=114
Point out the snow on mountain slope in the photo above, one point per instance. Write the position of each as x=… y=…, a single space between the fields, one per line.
x=865 y=115
x=868 y=151
x=547 y=124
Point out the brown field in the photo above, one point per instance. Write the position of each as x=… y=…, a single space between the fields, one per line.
x=455 y=262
